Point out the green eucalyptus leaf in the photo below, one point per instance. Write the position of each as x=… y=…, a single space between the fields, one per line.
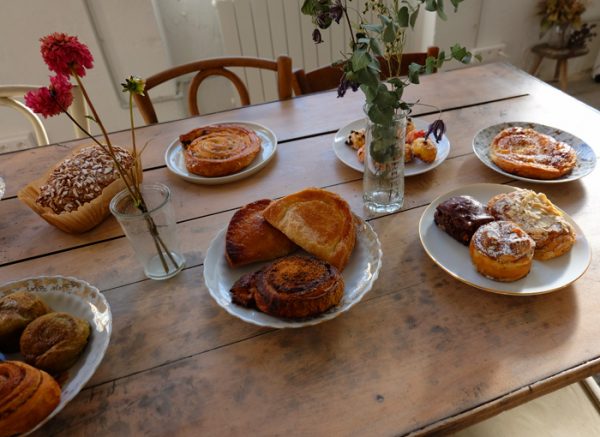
x=430 y=64
x=413 y=72
x=455 y=3
x=377 y=28
x=430 y=5
x=385 y=99
x=374 y=46
x=385 y=20
x=413 y=17
x=369 y=92
x=478 y=57
x=403 y=16
x=360 y=59
x=440 y=10
x=367 y=77
x=459 y=52
x=389 y=33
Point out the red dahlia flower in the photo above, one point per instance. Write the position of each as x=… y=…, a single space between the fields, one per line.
x=62 y=53
x=52 y=100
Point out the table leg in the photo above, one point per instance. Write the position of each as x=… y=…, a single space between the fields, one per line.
x=563 y=74
x=536 y=65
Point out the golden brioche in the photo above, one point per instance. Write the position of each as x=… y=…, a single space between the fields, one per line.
x=53 y=341
x=17 y=310
x=251 y=238
x=291 y=287
x=526 y=152
x=219 y=150
x=27 y=396
x=318 y=221
x=533 y=212
x=502 y=251
x=424 y=149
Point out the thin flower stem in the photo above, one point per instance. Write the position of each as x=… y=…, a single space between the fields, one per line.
x=349 y=23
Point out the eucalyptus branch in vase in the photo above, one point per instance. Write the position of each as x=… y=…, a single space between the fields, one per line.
x=67 y=57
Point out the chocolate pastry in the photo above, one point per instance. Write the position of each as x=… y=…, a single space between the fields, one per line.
x=291 y=287
x=460 y=217
x=17 y=310
x=54 y=341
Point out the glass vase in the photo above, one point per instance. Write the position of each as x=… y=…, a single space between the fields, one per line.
x=153 y=233
x=558 y=36
x=383 y=177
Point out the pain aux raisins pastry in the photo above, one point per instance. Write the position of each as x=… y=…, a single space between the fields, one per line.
x=220 y=149
x=553 y=235
x=291 y=287
x=502 y=251
x=460 y=217
x=529 y=153
x=75 y=195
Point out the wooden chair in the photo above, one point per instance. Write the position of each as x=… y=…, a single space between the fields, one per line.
x=9 y=93
x=327 y=78
x=216 y=67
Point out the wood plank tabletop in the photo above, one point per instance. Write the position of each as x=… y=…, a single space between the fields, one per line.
x=421 y=353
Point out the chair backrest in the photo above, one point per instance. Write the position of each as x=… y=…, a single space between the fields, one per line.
x=217 y=67
x=327 y=78
x=8 y=97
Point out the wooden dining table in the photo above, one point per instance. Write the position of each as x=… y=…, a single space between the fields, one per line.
x=421 y=353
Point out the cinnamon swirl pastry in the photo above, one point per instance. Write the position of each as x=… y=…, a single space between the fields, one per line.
x=502 y=251
x=291 y=287
x=17 y=310
x=251 y=238
x=529 y=153
x=533 y=212
x=27 y=396
x=318 y=221
x=219 y=150
x=54 y=341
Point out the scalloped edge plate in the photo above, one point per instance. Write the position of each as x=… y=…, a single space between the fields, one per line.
x=454 y=258
x=347 y=154
x=176 y=164
x=359 y=276
x=80 y=299
x=586 y=158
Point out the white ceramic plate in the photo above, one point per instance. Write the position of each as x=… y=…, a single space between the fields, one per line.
x=347 y=154
x=175 y=162
x=80 y=299
x=359 y=275
x=454 y=258
x=586 y=159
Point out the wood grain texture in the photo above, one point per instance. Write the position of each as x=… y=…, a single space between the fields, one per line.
x=422 y=353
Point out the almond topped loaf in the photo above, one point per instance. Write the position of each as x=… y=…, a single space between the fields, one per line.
x=81 y=178
x=74 y=195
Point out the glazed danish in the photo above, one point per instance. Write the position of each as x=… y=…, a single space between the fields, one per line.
x=251 y=238
x=526 y=152
x=502 y=251
x=27 y=396
x=533 y=212
x=291 y=287
x=220 y=149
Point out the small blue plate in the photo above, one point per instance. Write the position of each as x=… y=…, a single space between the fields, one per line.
x=586 y=158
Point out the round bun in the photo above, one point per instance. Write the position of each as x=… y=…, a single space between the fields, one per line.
x=27 y=396
x=17 y=310
x=424 y=149
x=54 y=341
x=502 y=251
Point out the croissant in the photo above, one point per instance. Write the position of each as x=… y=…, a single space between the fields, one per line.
x=17 y=310
x=27 y=396
x=54 y=341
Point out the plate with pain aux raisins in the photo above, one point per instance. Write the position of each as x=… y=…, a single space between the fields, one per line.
x=420 y=155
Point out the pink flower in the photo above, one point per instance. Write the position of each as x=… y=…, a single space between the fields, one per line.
x=52 y=100
x=62 y=53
